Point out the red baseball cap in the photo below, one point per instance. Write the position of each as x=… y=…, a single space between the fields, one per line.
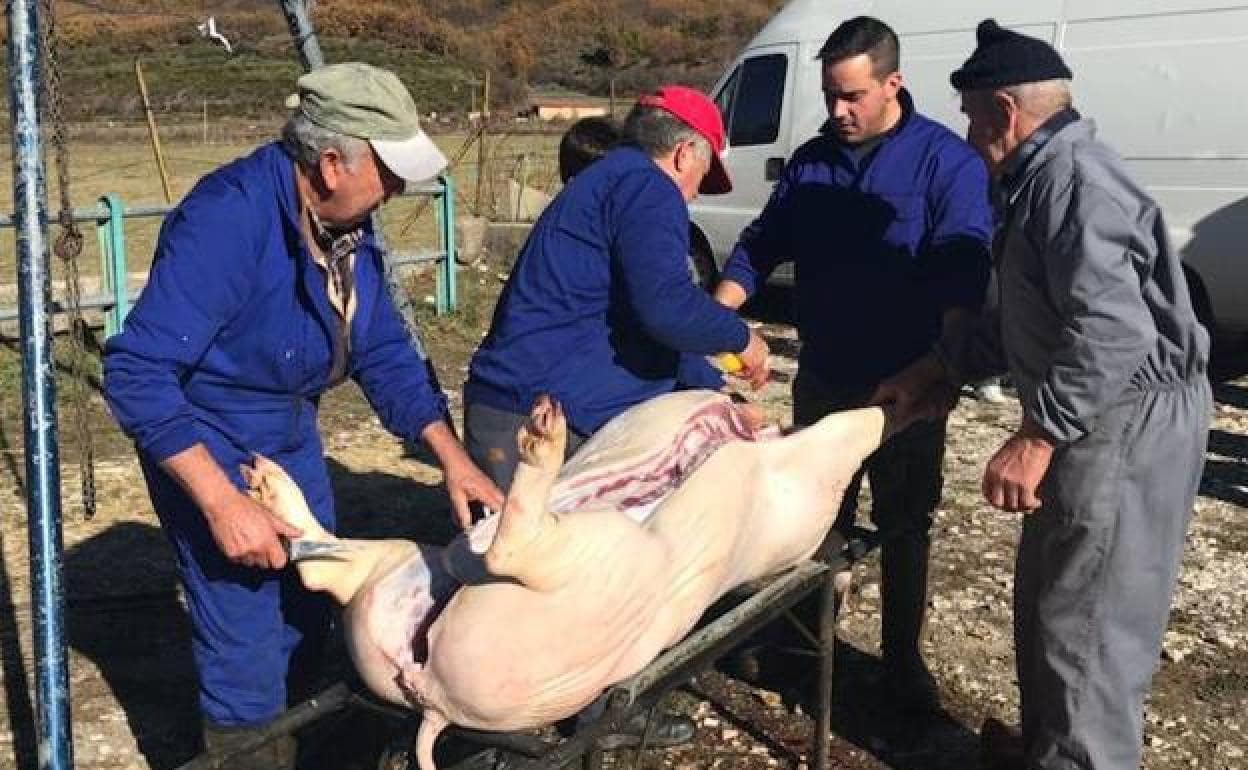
x=699 y=113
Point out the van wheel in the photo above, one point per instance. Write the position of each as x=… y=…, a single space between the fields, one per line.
x=1200 y=299
x=702 y=267
x=1220 y=365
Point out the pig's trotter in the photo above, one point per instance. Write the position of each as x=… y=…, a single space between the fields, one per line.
x=542 y=440
x=524 y=534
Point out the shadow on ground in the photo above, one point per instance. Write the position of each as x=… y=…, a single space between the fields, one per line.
x=862 y=714
x=1226 y=469
x=125 y=617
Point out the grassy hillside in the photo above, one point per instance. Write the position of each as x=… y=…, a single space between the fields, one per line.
x=439 y=46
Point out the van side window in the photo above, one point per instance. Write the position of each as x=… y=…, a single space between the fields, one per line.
x=727 y=96
x=758 y=99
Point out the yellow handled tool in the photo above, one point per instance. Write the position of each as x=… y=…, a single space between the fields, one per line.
x=730 y=363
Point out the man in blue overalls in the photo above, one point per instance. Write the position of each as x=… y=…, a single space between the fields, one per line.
x=265 y=291
x=886 y=219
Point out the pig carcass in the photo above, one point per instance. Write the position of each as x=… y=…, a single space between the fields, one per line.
x=592 y=568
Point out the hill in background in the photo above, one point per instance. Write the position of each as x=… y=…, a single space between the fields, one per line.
x=440 y=48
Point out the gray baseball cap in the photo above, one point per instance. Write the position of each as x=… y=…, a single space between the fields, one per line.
x=360 y=100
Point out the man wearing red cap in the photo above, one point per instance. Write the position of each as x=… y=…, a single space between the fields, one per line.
x=600 y=311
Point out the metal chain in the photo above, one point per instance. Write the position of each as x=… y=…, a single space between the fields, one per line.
x=68 y=248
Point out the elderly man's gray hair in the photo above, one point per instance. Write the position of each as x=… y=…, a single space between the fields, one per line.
x=657 y=132
x=1042 y=98
x=305 y=141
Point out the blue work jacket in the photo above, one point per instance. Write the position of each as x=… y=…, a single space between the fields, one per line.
x=229 y=344
x=600 y=310
x=882 y=244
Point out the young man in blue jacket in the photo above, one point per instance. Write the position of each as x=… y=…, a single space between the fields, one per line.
x=599 y=310
x=886 y=218
x=265 y=291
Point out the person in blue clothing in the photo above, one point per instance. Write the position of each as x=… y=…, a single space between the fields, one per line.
x=265 y=291
x=600 y=311
x=586 y=141
x=885 y=216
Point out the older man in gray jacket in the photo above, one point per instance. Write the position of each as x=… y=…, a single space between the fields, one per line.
x=1093 y=321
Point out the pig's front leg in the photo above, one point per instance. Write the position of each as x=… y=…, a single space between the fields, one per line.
x=526 y=528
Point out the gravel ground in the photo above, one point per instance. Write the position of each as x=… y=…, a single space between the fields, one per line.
x=132 y=683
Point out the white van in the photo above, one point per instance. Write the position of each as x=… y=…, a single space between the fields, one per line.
x=1160 y=78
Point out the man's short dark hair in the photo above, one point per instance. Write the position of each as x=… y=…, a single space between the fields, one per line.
x=587 y=140
x=864 y=34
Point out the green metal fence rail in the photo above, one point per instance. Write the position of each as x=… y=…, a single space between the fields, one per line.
x=114 y=299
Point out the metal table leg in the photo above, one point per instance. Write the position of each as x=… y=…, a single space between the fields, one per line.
x=835 y=586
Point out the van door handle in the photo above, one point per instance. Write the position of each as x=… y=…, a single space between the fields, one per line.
x=773 y=168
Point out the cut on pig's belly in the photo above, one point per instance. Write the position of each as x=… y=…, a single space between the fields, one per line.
x=594 y=567
x=631 y=464
x=636 y=460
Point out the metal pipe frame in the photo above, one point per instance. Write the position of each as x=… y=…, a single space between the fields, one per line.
x=306 y=43
x=43 y=481
x=110 y=215
x=112 y=235
x=447 y=294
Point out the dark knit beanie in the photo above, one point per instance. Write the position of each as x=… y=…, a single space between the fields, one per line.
x=1003 y=57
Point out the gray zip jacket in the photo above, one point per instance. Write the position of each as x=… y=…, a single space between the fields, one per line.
x=1091 y=305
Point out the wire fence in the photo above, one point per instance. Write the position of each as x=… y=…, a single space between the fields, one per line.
x=507 y=179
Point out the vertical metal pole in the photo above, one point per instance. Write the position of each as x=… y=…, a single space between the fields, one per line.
x=831 y=593
x=448 y=241
x=306 y=43
x=446 y=290
x=441 y=301
x=43 y=482
x=113 y=262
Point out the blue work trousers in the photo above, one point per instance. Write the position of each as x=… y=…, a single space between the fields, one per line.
x=257 y=634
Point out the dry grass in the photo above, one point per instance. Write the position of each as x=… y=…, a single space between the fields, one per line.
x=128 y=169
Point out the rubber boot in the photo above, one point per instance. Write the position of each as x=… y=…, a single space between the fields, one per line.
x=903 y=605
x=276 y=754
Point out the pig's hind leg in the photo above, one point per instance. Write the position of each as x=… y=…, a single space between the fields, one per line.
x=526 y=526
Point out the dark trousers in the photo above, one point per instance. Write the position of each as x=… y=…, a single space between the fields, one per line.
x=906 y=479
